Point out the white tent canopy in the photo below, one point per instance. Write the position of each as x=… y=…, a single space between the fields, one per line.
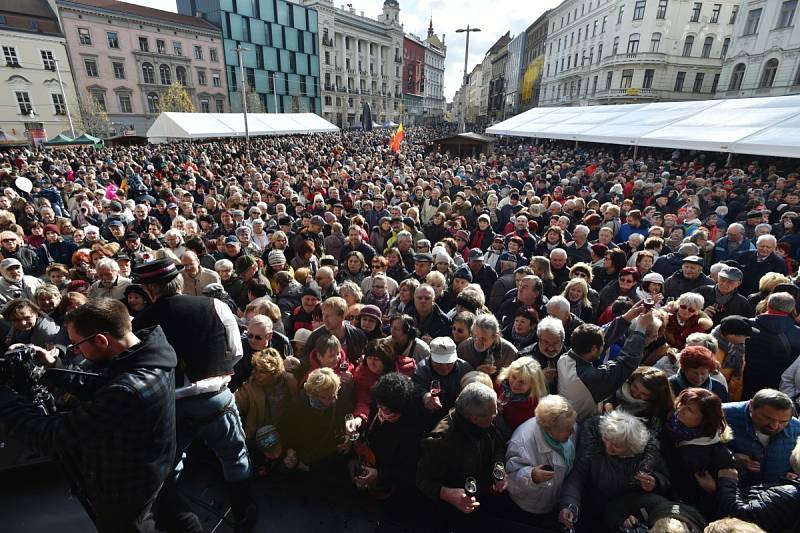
x=762 y=126
x=211 y=125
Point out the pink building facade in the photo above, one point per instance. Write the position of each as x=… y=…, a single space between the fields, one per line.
x=124 y=56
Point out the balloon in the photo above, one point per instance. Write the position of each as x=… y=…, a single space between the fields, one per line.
x=24 y=184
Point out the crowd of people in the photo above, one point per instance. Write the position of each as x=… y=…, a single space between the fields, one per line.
x=546 y=337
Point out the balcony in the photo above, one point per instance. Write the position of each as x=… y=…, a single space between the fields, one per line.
x=329 y=87
x=629 y=93
x=398 y=59
x=327 y=41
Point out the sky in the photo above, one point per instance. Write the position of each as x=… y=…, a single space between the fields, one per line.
x=494 y=18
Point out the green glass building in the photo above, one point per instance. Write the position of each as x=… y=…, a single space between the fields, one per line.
x=281 y=61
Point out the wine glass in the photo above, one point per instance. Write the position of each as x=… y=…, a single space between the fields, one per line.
x=499 y=472
x=344 y=366
x=471 y=487
x=436 y=388
x=548 y=468
x=351 y=436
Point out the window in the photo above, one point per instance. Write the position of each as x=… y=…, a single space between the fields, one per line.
x=627 y=79
x=148 y=73
x=594 y=28
x=91 y=67
x=633 y=44
x=687 y=45
x=59 y=107
x=615 y=48
x=715 y=83
x=204 y=107
x=84 y=37
x=679 y=80
x=201 y=77
x=10 y=55
x=599 y=52
x=125 y=103
x=212 y=55
x=697 y=86
x=198 y=54
x=161 y=46
x=737 y=76
x=655 y=41
x=165 y=74
x=119 y=70
x=144 y=44
x=177 y=48
x=661 y=12
x=113 y=39
x=707 y=44
x=24 y=102
x=725 y=44
x=734 y=12
x=768 y=74
x=605 y=20
x=327 y=58
x=594 y=85
x=620 y=13
x=698 y=7
x=797 y=77
x=220 y=106
x=786 y=16
x=152 y=103
x=753 y=18
x=638 y=9
x=180 y=75
x=647 y=83
x=100 y=99
x=215 y=80
x=715 y=13
x=609 y=78
x=48 y=61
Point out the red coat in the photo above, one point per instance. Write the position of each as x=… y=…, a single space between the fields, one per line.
x=515 y=413
x=364 y=379
x=314 y=364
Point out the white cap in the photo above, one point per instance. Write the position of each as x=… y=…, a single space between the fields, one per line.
x=443 y=350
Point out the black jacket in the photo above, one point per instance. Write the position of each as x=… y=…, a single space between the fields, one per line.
x=739 y=305
x=396 y=448
x=118 y=446
x=773 y=507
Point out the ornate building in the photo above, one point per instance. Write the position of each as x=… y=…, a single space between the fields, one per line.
x=435 y=55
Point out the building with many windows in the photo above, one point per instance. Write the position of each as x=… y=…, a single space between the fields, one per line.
x=513 y=74
x=413 y=75
x=435 y=55
x=532 y=66
x=764 y=55
x=360 y=63
x=125 y=56
x=279 y=52
x=624 y=51
x=34 y=105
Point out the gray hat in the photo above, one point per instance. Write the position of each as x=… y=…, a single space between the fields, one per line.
x=443 y=350
x=693 y=259
x=9 y=262
x=266 y=438
x=688 y=248
x=731 y=273
x=317 y=220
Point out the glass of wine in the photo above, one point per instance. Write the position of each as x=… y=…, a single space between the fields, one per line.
x=352 y=437
x=344 y=366
x=499 y=472
x=471 y=487
x=436 y=388
x=548 y=468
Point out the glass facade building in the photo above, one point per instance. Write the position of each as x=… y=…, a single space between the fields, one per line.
x=281 y=61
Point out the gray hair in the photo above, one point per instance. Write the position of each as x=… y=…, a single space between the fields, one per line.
x=554 y=412
x=404 y=235
x=223 y=264
x=781 y=301
x=558 y=251
x=624 y=429
x=557 y=303
x=706 y=340
x=691 y=299
x=170 y=288
x=551 y=325
x=426 y=287
x=716 y=267
x=772 y=398
x=107 y=263
x=475 y=400
x=352 y=288
x=736 y=226
x=261 y=320
x=770 y=238
x=580 y=228
x=487 y=322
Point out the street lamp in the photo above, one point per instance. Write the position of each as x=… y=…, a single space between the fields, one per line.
x=239 y=49
x=462 y=126
x=64 y=97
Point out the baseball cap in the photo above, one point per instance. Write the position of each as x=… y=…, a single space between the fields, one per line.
x=9 y=262
x=476 y=254
x=317 y=220
x=423 y=258
x=231 y=239
x=693 y=259
x=443 y=350
x=463 y=272
x=731 y=273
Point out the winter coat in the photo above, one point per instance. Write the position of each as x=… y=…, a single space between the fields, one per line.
x=45 y=332
x=753 y=270
x=769 y=353
x=289 y=298
x=261 y=405
x=677 y=284
x=790 y=381
x=450 y=387
x=395 y=447
x=737 y=306
x=364 y=379
x=502 y=353
x=25 y=288
x=57 y=252
x=436 y=325
x=667 y=265
x=676 y=333
x=721 y=249
x=678 y=383
x=773 y=507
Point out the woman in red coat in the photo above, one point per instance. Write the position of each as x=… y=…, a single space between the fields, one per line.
x=379 y=359
x=519 y=388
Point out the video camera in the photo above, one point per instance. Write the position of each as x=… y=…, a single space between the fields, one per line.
x=20 y=371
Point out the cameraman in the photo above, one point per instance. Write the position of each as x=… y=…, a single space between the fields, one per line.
x=117 y=447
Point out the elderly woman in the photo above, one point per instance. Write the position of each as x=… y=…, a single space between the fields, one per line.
x=522 y=332
x=486 y=350
x=695 y=366
x=174 y=242
x=616 y=456
x=652 y=287
x=540 y=455
x=576 y=292
x=686 y=316
x=30 y=325
x=405 y=339
x=559 y=307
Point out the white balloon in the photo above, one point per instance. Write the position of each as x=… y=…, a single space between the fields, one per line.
x=24 y=184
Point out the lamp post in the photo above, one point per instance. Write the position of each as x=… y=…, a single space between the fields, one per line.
x=462 y=125
x=64 y=97
x=239 y=49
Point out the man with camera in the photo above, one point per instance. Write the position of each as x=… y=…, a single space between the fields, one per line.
x=117 y=445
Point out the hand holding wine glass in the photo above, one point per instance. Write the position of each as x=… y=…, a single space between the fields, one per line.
x=543 y=474
x=500 y=482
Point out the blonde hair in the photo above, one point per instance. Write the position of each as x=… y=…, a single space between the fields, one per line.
x=336 y=304
x=322 y=383
x=770 y=280
x=555 y=412
x=585 y=286
x=732 y=525
x=268 y=361
x=529 y=369
x=669 y=525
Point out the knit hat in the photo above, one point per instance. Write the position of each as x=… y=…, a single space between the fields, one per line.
x=276 y=258
x=301 y=336
x=267 y=438
x=476 y=254
x=312 y=291
x=51 y=227
x=244 y=262
x=372 y=311
x=599 y=249
x=463 y=272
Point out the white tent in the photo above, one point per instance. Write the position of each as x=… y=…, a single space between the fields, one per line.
x=762 y=126
x=211 y=125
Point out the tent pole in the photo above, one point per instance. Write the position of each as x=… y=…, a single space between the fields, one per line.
x=635 y=151
x=730 y=158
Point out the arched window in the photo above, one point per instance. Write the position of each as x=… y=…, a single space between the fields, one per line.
x=180 y=75
x=166 y=74
x=655 y=41
x=737 y=76
x=768 y=74
x=687 y=45
x=633 y=44
x=148 y=73
x=707 y=44
x=152 y=103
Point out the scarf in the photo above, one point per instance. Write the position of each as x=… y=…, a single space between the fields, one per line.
x=678 y=430
x=684 y=383
x=316 y=404
x=629 y=404
x=521 y=341
x=565 y=449
x=512 y=397
x=576 y=308
x=734 y=353
x=723 y=299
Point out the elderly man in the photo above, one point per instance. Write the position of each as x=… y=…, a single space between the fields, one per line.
x=444 y=368
x=328 y=287
x=723 y=299
x=559 y=307
x=109 y=284
x=423 y=264
x=669 y=264
x=15 y=283
x=465 y=445
x=732 y=244
x=688 y=279
x=558 y=266
x=482 y=274
x=529 y=294
x=548 y=349
x=486 y=350
x=195 y=277
x=764 y=434
x=578 y=249
x=431 y=320
x=258 y=336
x=771 y=351
x=11 y=247
x=758 y=262
x=405 y=242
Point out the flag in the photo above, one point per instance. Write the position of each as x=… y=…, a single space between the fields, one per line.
x=397 y=138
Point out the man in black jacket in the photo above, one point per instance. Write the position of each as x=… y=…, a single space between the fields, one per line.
x=723 y=299
x=118 y=445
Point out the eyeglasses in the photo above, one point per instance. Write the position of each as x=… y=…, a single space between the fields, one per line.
x=71 y=347
x=687 y=308
x=256 y=337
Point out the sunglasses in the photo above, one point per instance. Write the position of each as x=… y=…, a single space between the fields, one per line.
x=687 y=308
x=256 y=337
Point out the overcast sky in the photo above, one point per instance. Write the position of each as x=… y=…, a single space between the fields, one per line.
x=494 y=18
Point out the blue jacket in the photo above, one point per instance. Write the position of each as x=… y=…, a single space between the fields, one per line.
x=774 y=458
x=721 y=249
x=626 y=230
